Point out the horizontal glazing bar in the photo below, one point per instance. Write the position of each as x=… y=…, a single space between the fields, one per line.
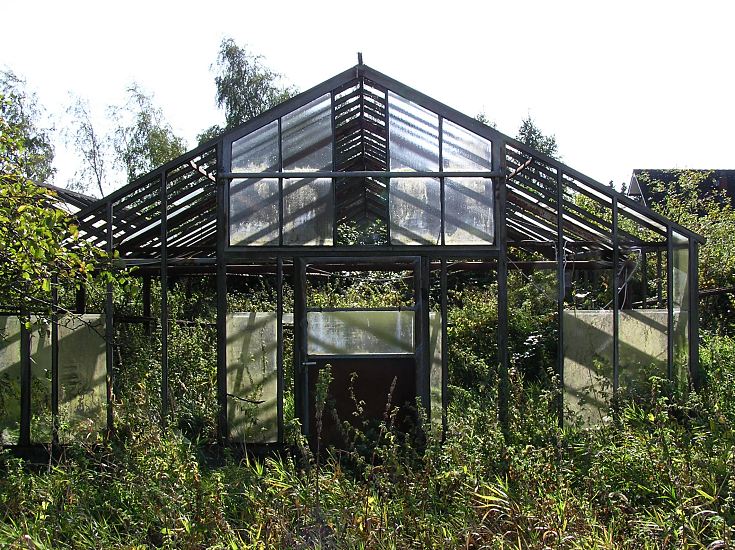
x=334 y=309
x=360 y=174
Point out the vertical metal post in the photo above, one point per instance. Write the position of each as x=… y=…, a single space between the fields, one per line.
x=109 y=320
x=334 y=180
x=615 y=301
x=147 y=303
x=659 y=279
x=498 y=152
x=442 y=222
x=387 y=163
x=164 y=300
x=279 y=350
x=222 y=239
x=25 y=381
x=561 y=291
x=444 y=345
x=301 y=372
x=670 y=301
x=644 y=280
x=422 y=376
x=55 y=361
x=695 y=373
x=81 y=299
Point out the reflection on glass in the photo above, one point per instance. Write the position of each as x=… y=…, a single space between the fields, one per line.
x=436 y=377
x=257 y=151
x=359 y=332
x=82 y=377
x=307 y=211
x=415 y=211
x=588 y=372
x=681 y=307
x=307 y=137
x=463 y=150
x=468 y=211
x=9 y=380
x=252 y=377
x=413 y=136
x=254 y=212
x=41 y=419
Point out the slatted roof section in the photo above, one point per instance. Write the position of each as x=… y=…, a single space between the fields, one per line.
x=360 y=136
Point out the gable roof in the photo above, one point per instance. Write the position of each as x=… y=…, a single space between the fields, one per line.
x=185 y=187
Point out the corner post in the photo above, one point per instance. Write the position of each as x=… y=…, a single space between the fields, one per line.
x=499 y=163
x=222 y=238
x=164 y=300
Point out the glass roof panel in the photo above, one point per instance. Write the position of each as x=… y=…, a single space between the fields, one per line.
x=463 y=150
x=257 y=151
x=413 y=136
x=307 y=137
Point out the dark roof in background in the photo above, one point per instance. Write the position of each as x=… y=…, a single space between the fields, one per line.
x=718 y=181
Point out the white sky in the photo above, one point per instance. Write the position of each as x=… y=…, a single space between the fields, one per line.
x=622 y=85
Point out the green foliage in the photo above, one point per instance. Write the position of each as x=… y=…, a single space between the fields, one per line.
x=38 y=242
x=245 y=86
x=712 y=216
x=531 y=135
x=22 y=112
x=143 y=140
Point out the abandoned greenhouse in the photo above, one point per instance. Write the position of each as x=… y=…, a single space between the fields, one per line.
x=355 y=211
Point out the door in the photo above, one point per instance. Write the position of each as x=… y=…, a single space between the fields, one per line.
x=373 y=341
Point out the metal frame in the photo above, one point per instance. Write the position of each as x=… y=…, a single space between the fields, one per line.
x=176 y=218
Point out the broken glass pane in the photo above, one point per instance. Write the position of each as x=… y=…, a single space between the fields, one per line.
x=463 y=150
x=82 y=377
x=9 y=380
x=307 y=211
x=257 y=151
x=252 y=377
x=415 y=211
x=254 y=212
x=307 y=137
x=359 y=332
x=413 y=136
x=468 y=211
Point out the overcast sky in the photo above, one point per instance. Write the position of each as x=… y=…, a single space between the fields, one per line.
x=622 y=85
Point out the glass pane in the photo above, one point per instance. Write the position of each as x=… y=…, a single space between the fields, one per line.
x=307 y=211
x=413 y=136
x=643 y=345
x=82 y=377
x=463 y=150
x=588 y=373
x=254 y=212
x=307 y=137
x=41 y=420
x=252 y=377
x=257 y=151
x=680 y=297
x=435 y=375
x=9 y=380
x=468 y=211
x=358 y=332
x=415 y=211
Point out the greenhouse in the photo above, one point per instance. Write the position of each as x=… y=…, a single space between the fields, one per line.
x=356 y=211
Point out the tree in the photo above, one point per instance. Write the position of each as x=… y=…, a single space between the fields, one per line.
x=22 y=112
x=531 y=135
x=93 y=148
x=143 y=139
x=245 y=86
x=39 y=244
